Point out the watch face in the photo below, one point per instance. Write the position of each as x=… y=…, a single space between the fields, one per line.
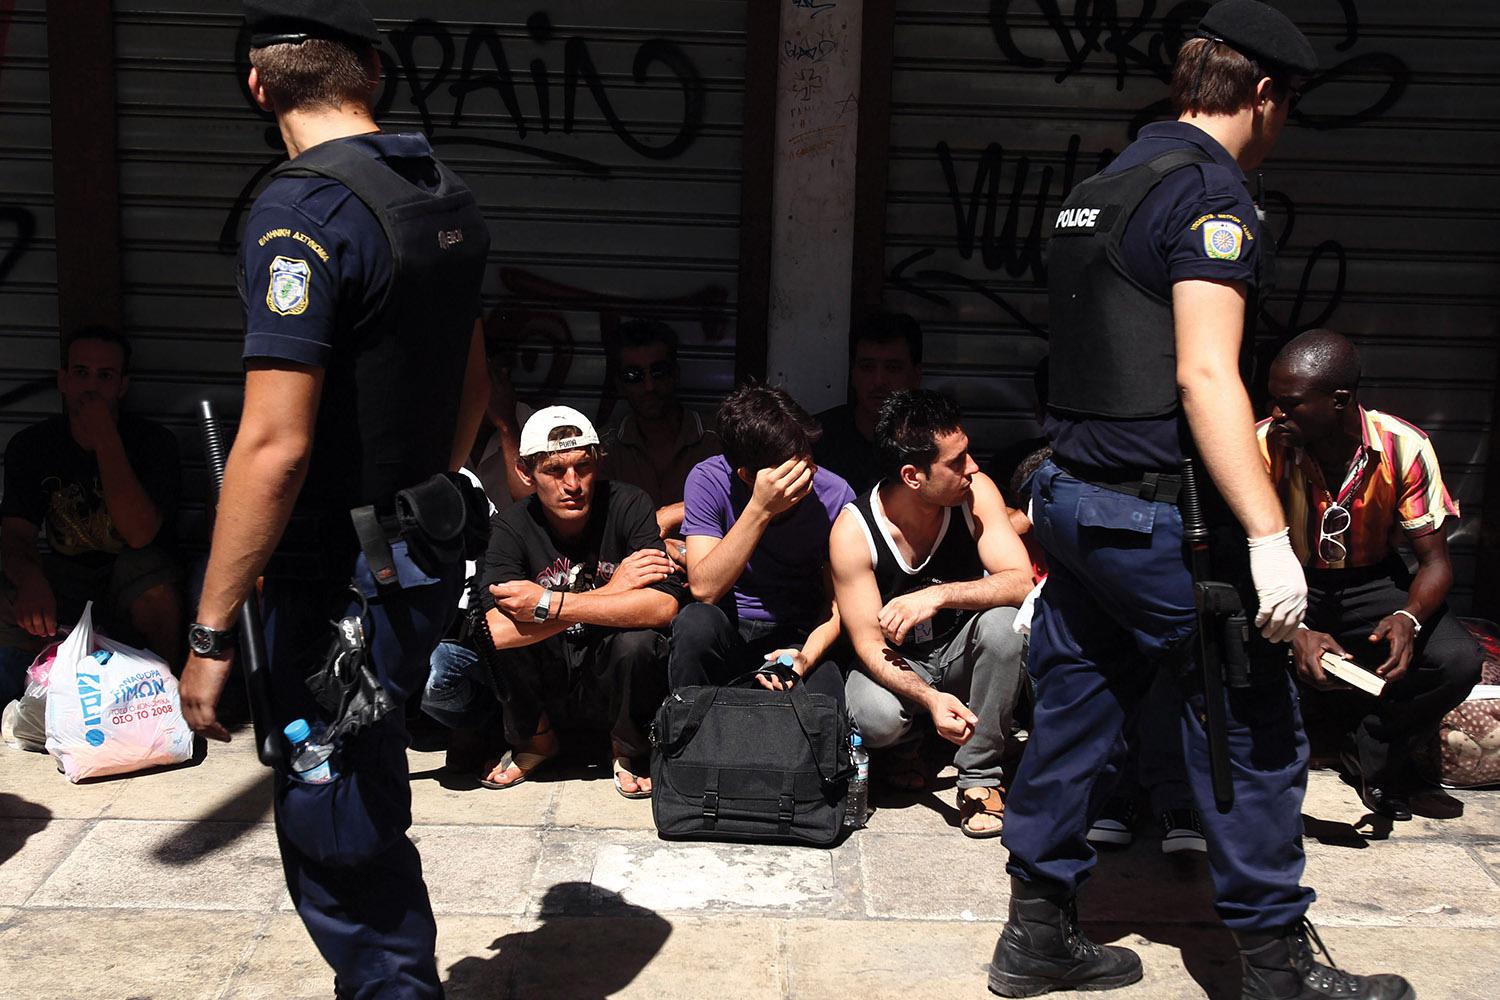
x=200 y=640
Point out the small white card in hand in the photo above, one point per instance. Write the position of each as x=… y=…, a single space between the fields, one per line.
x=1352 y=674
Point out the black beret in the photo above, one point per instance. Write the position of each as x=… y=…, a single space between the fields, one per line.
x=1260 y=32
x=273 y=22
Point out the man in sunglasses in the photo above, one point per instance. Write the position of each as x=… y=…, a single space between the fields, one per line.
x=1348 y=477
x=659 y=441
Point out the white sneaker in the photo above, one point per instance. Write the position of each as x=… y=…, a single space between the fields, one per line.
x=1183 y=831
x=1114 y=826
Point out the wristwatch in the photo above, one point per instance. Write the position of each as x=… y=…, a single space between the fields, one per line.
x=543 y=606
x=213 y=643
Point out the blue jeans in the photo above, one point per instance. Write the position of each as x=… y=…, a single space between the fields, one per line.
x=455 y=695
x=1117 y=606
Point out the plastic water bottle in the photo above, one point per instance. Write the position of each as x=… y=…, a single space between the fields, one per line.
x=309 y=757
x=857 y=802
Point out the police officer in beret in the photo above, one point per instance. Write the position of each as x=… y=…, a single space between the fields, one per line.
x=360 y=272
x=1155 y=268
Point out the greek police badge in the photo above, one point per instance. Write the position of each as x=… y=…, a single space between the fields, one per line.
x=290 y=287
x=1222 y=240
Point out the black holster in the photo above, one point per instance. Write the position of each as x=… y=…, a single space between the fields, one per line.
x=444 y=520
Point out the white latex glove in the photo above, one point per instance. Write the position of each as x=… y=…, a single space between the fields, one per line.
x=1279 y=585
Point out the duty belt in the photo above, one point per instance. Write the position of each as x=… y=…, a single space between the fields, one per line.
x=376 y=531
x=1154 y=487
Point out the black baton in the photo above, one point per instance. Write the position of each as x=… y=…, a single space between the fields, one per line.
x=1220 y=616
x=252 y=647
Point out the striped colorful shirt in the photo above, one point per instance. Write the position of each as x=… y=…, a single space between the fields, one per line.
x=1393 y=479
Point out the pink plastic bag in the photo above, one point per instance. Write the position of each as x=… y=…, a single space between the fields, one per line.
x=114 y=712
x=25 y=722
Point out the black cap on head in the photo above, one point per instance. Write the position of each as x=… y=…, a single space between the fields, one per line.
x=275 y=22
x=1260 y=32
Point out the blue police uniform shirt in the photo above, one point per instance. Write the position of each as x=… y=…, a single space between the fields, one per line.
x=1199 y=222
x=315 y=258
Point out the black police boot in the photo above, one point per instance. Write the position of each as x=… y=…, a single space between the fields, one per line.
x=1041 y=950
x=1280 y=965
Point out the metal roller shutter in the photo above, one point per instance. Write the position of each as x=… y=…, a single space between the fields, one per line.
x=1379 y=187
x=602 y=141
x=28 y=265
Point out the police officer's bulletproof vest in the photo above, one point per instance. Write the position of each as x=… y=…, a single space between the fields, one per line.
x=1113 y=352
x=391 y=390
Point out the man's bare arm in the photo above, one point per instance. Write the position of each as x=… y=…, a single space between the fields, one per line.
x=1209 y=318
x=669 y=519
x=714 y=564
x=634 y=609
x=859 y=605
x=135 y=515
x=1001 y=552
x=265 y=471
x=471 y=403
x=35 y=604
x=18 y=555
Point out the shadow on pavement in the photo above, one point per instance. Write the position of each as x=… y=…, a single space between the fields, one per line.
x=23 y=819
x=572 y=955
x=223 y=824
x=1208 y=951
x=1165 y=898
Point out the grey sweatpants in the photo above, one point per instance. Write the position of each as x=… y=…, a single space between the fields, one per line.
x=981 y=666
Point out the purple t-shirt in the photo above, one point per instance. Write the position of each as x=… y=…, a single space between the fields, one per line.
x=783 y=581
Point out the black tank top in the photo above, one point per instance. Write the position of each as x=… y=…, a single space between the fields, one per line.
x=954 y=557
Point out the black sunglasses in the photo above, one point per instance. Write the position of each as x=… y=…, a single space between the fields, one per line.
x=631 y=374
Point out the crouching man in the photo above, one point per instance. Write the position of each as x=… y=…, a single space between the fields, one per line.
x=580 y=584
x=928 y=574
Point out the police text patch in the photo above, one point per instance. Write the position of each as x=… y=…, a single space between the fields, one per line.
x=1077 y=218
x=291 y=287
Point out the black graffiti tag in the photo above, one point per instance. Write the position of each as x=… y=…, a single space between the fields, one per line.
x=484 y=67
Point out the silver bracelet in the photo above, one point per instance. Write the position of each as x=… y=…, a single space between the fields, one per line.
x=1416 y=625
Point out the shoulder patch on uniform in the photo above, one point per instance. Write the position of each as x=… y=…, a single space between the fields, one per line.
x=291 y=288
x=1222 y=239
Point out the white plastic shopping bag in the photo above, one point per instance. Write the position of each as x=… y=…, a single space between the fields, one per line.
x=25 y=724
x=112 y=709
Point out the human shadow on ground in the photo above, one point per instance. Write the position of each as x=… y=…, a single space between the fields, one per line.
x=618 y=938
x=20 y=820
x=1139 y=892
x=223 y=823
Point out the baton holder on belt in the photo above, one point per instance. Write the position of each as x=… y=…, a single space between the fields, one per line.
x=1222 y=634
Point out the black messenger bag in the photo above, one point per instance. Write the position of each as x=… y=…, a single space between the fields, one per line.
x=744 y=763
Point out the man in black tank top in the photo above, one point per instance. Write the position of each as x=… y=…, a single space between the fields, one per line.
x=928 y=574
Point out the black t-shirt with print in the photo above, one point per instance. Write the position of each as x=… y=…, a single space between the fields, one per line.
x=622 y=520
x=51 y=482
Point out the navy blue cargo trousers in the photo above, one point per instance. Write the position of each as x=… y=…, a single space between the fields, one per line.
x=1117 y=607
x=354 y=876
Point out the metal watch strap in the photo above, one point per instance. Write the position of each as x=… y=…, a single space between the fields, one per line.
x=543 y=607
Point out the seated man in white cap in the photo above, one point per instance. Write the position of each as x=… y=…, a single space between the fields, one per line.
x=580 y=585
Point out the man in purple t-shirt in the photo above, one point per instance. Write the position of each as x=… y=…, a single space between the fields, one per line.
x=756 y=520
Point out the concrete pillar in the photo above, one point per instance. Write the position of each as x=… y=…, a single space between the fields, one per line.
x=812 y=234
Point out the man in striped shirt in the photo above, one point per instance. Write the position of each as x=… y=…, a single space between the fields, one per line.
x=1348 y=477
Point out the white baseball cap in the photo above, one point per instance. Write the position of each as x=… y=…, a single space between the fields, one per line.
x=543 y=422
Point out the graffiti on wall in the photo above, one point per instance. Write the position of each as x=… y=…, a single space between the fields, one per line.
x=437 y=64
x=990 y=216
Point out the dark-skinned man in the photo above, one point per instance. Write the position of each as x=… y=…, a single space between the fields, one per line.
x=364 y=376
x=1349 y=477
x=1155 y=268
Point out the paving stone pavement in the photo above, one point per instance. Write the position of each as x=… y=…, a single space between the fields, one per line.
x=167 y=885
